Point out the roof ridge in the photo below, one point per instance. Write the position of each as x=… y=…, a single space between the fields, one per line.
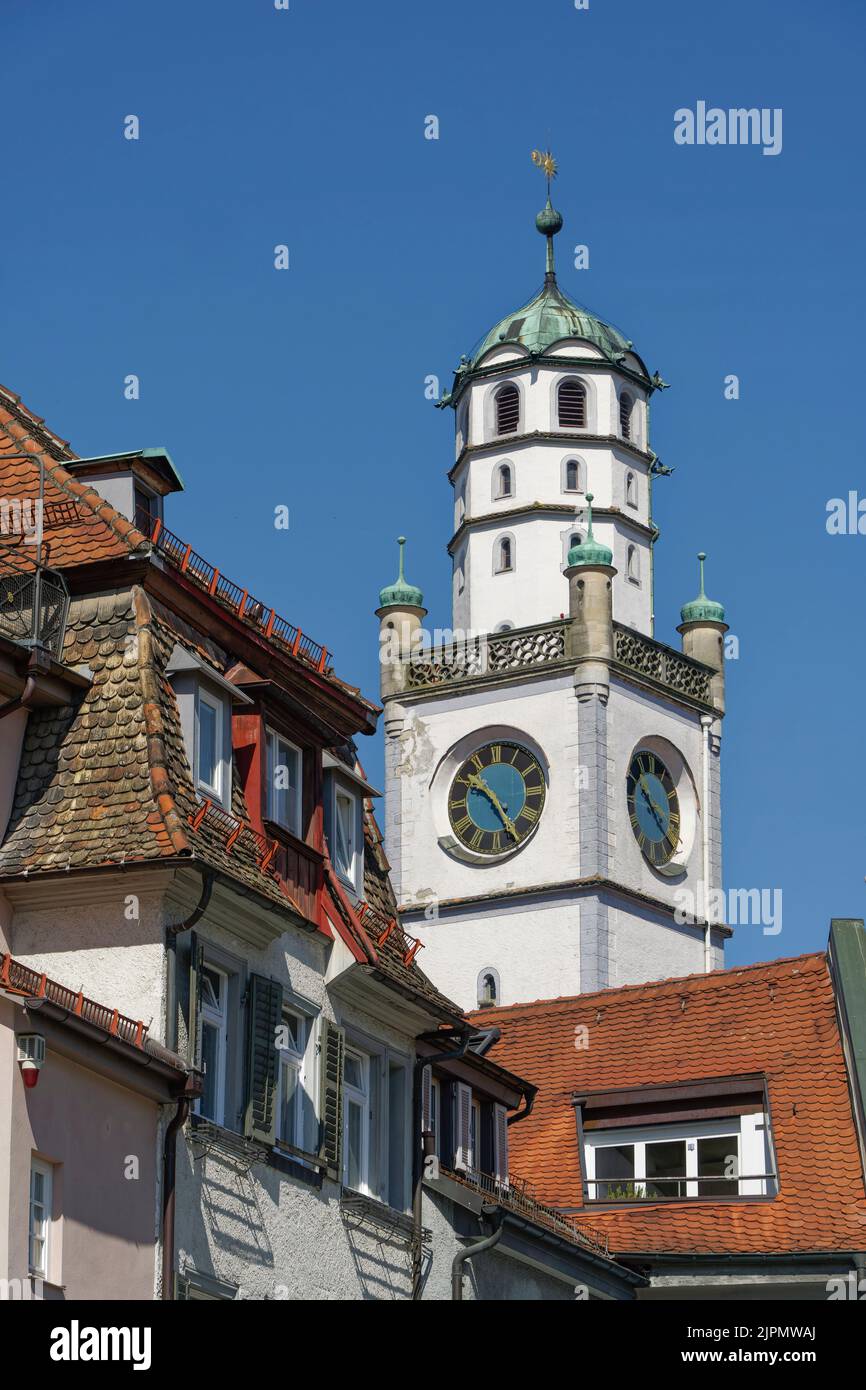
x=716 y=976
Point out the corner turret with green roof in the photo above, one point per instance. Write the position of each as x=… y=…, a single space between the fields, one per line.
x=400 y=594
x=702 y=609
x=590 y=551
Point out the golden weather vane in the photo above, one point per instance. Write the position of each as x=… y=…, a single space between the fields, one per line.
x=544 y=160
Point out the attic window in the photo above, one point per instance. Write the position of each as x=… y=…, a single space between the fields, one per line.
x=571 y=401
x=507 y=409
x=706 y=1139
x=146 y=510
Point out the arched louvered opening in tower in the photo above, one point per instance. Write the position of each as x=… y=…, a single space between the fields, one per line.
x=507 y=409
x=571 y=405
x=626 y=405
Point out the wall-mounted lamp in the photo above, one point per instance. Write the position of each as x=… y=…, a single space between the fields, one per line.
x=31 y=1055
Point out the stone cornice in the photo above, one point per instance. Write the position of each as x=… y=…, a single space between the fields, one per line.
x=594 y=883
x=570 y=439
x=651 y=532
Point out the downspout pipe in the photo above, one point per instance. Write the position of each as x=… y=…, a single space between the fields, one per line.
x=171 y=935
x=706 y=721
x=465 y=1036
x=21 y=701
x=477 y=1248
x=169 y=1181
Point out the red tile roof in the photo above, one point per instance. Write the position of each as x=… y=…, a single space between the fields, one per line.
x=79 y=526
x=778 y=1019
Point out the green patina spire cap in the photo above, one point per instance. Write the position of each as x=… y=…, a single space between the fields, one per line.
x=549 y=222
x=400 y=594
x=590 y=551
x=702 y=609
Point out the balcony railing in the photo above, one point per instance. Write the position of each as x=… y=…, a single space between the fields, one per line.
x=240 y=601
x=518 y=1195
x=34 y=602
x=662 y=664
x=488 y=653
x=706 y=1186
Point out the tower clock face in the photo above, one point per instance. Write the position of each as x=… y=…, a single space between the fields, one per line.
x=496 y=799
x=653 y=807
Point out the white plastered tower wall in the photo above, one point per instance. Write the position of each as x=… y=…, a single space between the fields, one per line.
x=540 y=513
x=580 y=683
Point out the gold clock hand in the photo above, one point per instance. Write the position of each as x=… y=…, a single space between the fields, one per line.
x=476 y=781
x=658 y=810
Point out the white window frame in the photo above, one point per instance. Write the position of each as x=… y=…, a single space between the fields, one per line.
x=46 y=1172
x=348 y=875
x=436 y=1114
x=361 y=1098
x=298 y=1060
x=216 y=1017
x=276 y=741
x=639 y=1137
x=222 y=790
x=374 y=1100
x=475 y=1122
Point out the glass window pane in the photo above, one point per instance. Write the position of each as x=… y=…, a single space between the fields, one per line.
x=616 y=1164
x=290 y=1081
x=210 y=1065
x=345 y=834
x=354 y=1075
x=719 y=1157
x=354 y=1143
x=37 y=1185
x=666 y=1169
x=208 y=760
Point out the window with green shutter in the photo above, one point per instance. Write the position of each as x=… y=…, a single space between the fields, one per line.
x=333 y=1041
x=264 y=1017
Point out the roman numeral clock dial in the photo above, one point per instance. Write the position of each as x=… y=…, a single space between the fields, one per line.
x=653 y=808
x=496 y=798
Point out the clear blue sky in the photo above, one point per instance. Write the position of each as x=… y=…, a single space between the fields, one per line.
x=306 y=387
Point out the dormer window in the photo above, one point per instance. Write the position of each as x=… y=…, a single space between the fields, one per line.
x=571 y=405
x=285 y=767
x=701 y=1139
x=204 y=701
x=345 y=834
x=212 y=774
x=147 y=510
x=507 y=409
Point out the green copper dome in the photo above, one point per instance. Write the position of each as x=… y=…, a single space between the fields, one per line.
x=548 y=317
x=400 y=594
x=590 y=551
x=702 y=609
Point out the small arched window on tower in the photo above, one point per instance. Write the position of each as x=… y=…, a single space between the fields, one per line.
x=507 y=409
x=571 y=405
x=630 y=490
x=503 y=555
x=632 y=564
x=504 y=479
x=464 y=426
x=626 y=406
x=573 y=475
x=487 y=989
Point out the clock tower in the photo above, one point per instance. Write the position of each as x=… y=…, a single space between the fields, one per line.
x=552 y=770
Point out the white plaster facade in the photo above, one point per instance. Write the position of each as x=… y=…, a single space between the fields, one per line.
x=539 y=511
